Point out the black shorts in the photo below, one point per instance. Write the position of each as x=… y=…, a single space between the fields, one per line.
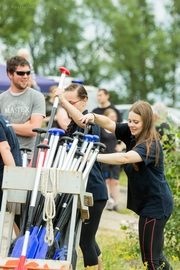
x=111 y=171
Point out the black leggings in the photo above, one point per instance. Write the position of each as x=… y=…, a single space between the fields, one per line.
x=151 y=237
x=88 y=245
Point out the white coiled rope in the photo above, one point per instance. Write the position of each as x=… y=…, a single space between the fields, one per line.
x=49 y=210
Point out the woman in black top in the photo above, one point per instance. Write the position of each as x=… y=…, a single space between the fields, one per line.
x=148 y=192
x=74 y=100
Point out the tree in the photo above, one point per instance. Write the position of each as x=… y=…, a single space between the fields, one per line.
x=55 y=35
x=133 y=30
x=92 y=63
x=133 y=47
x=173 y=30
x=99 y=42
x=16 y=19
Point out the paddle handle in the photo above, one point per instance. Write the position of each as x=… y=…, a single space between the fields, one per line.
x=56 y=100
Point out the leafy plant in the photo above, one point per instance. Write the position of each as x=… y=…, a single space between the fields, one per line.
x=172 y=172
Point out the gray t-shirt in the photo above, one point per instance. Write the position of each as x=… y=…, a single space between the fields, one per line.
x=19 y=108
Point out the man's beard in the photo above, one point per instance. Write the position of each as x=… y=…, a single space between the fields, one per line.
x=20 y=87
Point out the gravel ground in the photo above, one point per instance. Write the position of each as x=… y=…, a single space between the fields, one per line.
x=112 y=220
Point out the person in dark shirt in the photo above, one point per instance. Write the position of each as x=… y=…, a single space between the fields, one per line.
x=149 y=195
x=61 y=119
x=74 y=100
x=103 y=99
x=10 y=154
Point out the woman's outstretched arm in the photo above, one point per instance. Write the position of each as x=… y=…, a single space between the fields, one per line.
x=100 y=120
x=120 y=158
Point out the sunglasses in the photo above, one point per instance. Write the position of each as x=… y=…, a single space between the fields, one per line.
x=74 y=102
x=22 y=73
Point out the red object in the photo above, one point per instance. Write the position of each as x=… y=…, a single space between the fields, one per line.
x=64 y=70
x=21 y=265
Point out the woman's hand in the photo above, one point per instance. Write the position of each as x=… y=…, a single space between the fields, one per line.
x=120 y=147
x=59 y=92
x=86 y=118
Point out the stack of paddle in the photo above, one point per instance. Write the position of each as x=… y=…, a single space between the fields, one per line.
x=60 y=152
x=70 y=152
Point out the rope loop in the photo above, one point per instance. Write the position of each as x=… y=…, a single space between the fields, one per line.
x=49 y=210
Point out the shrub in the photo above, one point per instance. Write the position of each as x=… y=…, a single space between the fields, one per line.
x=172 y=172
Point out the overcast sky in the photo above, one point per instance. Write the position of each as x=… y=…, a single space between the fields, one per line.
x=159 y=9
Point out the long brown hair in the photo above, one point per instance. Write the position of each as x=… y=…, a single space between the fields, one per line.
x=148 y=133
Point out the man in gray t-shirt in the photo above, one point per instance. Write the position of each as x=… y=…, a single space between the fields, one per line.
x=23 y=107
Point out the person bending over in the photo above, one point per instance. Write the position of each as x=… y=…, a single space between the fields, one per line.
x=149 y=195
x=74 y=100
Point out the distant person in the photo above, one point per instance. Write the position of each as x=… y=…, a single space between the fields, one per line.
x=111 y=172
x=49 y=100
x=61 y=119
x=23 y=107
x=149 y=195
x=10 y=154
x=162 y=124
x=32 y=79
x=160 y=117
x=103 y=97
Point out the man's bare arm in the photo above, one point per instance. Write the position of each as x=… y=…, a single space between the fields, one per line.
x=25 y=129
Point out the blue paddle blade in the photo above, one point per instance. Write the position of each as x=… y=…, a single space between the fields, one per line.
x=16 y=252
x=42 y=246
x=57 y=245
x=32 y=244
x=62 y=254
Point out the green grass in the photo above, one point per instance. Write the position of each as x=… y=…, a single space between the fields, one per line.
x=123 y=178
x=126 y=211
x=121 y=252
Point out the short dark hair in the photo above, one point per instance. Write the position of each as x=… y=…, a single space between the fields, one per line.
x=15 y=61
x=104 y=90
